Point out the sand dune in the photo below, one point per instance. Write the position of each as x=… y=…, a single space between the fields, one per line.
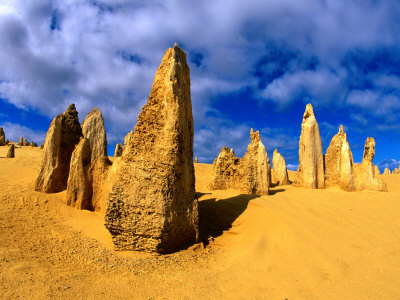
x=296 y=243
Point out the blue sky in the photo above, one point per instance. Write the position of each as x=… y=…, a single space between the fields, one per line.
x=254 y=64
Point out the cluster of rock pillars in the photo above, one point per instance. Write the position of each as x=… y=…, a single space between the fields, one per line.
x=148 y=195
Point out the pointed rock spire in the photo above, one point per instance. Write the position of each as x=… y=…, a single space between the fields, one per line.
x=2 y=137
x=63 y=134
x=339 y=162
x=118 y=150
x=310 y=173
x=152 y=205
x=279 y=171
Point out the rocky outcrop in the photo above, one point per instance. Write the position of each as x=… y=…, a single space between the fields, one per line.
x=152 y=205
x=339 y=163
x=376 y=171
x=196 y=160
x=118 y=150
x=21 y=141
x=365 y=177
x=2 y=137
x=128 y=138
x=395 y=171
x=89 y=166
x=79 y=189
x=310 y=173
x=25 y=142
x=11 y=151
x=63 y=135
x=251 y=174
x=33 y=144
x=386 y=171
x=279 y=171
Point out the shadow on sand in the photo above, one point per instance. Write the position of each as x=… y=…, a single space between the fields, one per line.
x=218 y=216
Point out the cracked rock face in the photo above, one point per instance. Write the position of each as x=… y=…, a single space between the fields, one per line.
x=310 y=173
x=63 y=135
x=339 y=163
x=279 y=171
x=152 y=205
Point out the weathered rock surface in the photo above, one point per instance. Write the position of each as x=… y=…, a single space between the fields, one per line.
x=395 y=171
x=279 y=171
x=196 y=160
x=11 y=151
x=25 y=143
x=365 y=178
x=89 y=166
x=152 y=206
x=93 y=129
x=63 y=134
x=2 y=137
x=33 y=144
x=21 y=141
x=310 y=173
x=128 y=138
x=79 y=189
x=386 y=171
x=339 y=163
x=118 y=150
x=251 y=174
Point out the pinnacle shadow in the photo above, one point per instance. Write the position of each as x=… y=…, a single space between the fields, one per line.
x=215 y=217
x=275 y=191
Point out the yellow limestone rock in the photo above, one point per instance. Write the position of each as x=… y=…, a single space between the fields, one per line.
x=11 y=151
x=118 y=150
x=196 y=160
x=310 y=173
x=376 y=171
x=365 y=177
x=152 y=205
x=63 y=135
x=2 y=137
x=88 y=175
x=251 y=174
x=339 y=162
x=395 y=171
x=279 y=171
x=386 y=171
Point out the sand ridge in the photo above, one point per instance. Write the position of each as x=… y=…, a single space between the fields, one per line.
x=295 y=243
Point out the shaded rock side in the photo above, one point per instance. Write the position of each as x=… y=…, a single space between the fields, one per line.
x=11 y=151
x=21 y=141
x=225 y=172
x=93 y=129
x=386 y=171
x=365 y=178
x=79 y=190
x=26 y=143
x=250 y=174
x=90 y=173
x=152 y=204
x=255 y=168
x=2 y=137
x=310 y=173
x=118 y=150
x=339 y=162
x=279 y=170
x=63 y=135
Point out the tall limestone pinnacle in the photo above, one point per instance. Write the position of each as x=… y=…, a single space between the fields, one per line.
x=310 y=173
x=2 y=137
x=62 y=136
x=279 y=172
x=339 y=162
x=152 y=204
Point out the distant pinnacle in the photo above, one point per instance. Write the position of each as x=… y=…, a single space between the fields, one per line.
x=341 y=129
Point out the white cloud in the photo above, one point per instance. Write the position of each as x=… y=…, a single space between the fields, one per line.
x=14 y=131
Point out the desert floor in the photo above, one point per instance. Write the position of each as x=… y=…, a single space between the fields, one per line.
x=295 y=243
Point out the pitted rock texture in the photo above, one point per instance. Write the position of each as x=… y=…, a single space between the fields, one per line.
x=63 y=135
x=88 y=174
x=118 y=150
x=11 y=151
x=365 y=177
x=339 y=163
x=279 y=170
x=2 y=137
x=251 y=174
x=386 y=171
x=152 y=204
x=310 y=173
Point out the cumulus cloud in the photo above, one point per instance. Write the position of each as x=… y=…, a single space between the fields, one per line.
x=14 y=131
x=391 y=164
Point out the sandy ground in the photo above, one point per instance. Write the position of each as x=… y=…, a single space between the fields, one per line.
x=294 y=244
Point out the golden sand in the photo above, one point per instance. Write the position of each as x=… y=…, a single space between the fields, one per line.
x=296 y=243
